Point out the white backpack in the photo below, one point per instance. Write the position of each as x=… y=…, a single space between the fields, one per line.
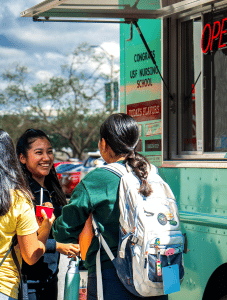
x=149 y=236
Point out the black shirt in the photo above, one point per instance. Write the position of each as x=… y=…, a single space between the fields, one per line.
x=47 y=266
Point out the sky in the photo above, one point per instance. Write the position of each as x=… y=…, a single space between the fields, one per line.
x=43 y=47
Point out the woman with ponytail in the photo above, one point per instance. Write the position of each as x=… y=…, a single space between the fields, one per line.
x=120 y=132
x=97 y=193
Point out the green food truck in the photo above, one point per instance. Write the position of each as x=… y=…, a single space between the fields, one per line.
x=173 y=66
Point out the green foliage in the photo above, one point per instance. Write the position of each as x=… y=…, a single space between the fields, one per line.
x=63 y=106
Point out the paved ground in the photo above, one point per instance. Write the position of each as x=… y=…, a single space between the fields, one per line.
x=64 y=261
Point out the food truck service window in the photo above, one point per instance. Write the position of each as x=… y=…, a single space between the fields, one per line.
x=197 y=61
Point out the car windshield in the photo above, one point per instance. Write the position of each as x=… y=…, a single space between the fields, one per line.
x=68 y=167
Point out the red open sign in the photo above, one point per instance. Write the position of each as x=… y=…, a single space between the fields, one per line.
x=213 y=32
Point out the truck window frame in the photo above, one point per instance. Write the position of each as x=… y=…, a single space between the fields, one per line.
x=171 y=122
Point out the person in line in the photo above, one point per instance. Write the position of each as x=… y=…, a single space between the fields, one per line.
x=35 y=153
x=97 y=193
x=17 y=217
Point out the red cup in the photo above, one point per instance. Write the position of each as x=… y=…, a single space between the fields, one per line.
x=48 y=211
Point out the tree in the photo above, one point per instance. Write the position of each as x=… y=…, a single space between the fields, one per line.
x=15 y=125
x=69 y=106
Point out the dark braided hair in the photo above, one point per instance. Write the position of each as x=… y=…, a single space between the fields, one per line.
x=11 y=175
x=22 y=147
x=121 y=133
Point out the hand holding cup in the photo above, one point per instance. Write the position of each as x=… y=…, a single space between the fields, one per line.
x=47 y=207
x=46 y=223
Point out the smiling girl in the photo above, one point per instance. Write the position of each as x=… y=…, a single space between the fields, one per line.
x=35 y=153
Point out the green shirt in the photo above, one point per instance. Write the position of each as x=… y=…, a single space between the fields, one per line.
x=97 y=193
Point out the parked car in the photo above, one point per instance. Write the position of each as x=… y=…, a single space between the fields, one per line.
x=70 y=161
x=93 y=161
x=69 y=176
x=58 y=163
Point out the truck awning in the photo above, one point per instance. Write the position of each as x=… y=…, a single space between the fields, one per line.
x=100 y=10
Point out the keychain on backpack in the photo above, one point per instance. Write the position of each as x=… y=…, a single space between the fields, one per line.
x=158 y=261
x=159 y=267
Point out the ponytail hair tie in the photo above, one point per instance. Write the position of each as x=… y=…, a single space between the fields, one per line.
x=131 y=154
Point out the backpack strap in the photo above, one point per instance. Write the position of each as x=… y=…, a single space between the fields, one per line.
x=102 y=240
x=98 y=258
x=118 y=169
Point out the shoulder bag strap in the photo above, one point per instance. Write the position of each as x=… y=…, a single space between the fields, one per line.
x=14 y=242
x=23 y=290
x=11 y=248
x=7 y=253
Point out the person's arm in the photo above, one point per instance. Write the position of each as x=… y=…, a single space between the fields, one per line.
x=68 y=226
x=32 y=247
x=71 y=250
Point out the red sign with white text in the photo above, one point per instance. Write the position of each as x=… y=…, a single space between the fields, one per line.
x=214 y=36
x=145 y=111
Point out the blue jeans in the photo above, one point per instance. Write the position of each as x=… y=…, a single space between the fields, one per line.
x=5 y=297
x=113 y=289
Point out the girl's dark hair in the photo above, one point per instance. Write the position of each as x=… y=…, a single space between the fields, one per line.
x=11 y=175
x=51 y=180
x=121 y=133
